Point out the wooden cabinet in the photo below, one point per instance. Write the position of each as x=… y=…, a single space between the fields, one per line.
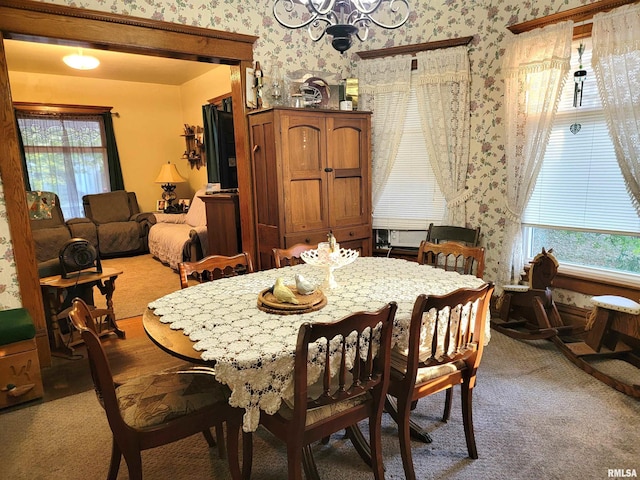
x=223 y=223
x=311 y=175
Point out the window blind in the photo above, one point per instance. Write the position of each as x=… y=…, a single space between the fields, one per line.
x=411 y=198
x=580 y=186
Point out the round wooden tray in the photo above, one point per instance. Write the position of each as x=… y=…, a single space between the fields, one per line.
x=267 y=302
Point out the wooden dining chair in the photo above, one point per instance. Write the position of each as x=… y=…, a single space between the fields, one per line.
x=158 y=409
x=452 y=256
x=214 y=267
x=450 y=233
x=290 y=256
x=347 y=391
x=437 y=362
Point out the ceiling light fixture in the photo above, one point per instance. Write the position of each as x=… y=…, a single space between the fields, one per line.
x=341 y=19
x=80 y=61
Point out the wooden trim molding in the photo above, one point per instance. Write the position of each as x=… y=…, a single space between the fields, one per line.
x=108 y=31
x=578 y=14
x=413 y=49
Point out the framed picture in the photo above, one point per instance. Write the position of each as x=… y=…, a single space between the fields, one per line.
x=184 y=203
x=160 y=204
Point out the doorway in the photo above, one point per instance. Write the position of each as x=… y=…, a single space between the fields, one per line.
x=48 y=23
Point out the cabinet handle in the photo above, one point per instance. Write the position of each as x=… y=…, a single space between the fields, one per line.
x=351 y=234
x=255 y=148
x=328 y=169
x=307 y=240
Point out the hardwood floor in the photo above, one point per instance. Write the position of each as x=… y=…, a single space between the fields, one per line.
x=130 y=357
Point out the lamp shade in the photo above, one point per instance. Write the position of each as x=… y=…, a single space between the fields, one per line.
x=169 y=174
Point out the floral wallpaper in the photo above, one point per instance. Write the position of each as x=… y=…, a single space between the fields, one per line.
x=9 y=290
x=485 y=20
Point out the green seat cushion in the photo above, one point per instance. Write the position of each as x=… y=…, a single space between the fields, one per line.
x=16 y=325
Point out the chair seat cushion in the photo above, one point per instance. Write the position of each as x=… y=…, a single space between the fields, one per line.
x=399 y=364
x=120 y=237
x=619 y=304
x=155 y=399
x=16 y=325
x=315 y=415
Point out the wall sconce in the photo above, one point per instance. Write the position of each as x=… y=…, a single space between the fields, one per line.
x=341 y=19
x=168 y=177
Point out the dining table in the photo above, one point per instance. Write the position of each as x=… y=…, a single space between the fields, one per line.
x=251 y=349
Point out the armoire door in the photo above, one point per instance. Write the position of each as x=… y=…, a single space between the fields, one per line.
x=348 y=162
x=304 y=177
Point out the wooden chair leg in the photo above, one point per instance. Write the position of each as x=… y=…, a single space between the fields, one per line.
x=447 y=404
x=209 y=438
x=467 y=419
x=294 y=462
x=134 y=465
x=219 y=440
x=114 y=464
x=375 y=442
x=404 y=435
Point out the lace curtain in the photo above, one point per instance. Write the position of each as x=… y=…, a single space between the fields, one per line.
x=66 y=154
x=535 y=68
x=616 y=63
x=442 y=89
x=384 y=90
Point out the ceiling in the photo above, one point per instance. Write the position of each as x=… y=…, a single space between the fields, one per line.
x=47 y=58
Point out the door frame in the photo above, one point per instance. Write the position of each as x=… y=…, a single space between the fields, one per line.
x=47 y=23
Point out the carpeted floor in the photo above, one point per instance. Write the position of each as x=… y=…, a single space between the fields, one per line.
x=536 y=416
x=143 y=280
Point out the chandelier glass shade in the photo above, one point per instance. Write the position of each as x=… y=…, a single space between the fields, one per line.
x=341 y=19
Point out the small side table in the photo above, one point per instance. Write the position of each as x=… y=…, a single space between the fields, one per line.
x=63 y=336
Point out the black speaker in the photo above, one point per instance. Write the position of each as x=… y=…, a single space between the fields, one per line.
x=78 y=256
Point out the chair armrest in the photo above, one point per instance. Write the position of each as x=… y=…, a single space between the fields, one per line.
x=170 y=218
x=80 y=220
x=148 y=217
x=83 y=228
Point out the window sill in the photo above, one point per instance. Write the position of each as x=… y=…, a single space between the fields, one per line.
x=596 y=283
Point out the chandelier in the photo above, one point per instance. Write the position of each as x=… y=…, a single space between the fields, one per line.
x=341 y=19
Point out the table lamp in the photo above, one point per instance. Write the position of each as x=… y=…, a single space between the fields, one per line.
x=168 y=177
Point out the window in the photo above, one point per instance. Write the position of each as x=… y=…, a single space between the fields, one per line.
x=580 y=206
x=411 y=198
x=65 y=154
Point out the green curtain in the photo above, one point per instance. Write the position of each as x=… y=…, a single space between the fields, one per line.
x=211 y=142
x=113 y=159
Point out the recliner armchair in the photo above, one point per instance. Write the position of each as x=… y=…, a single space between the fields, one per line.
x=50 y=230
x=181 y=237
x=121 y=228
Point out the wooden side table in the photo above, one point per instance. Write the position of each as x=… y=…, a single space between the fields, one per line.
x=223 y=223
x=55 y=289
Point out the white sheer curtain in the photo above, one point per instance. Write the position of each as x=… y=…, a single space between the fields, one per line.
x=383 y=85
x=616 y=63
x=442 y=89
x=535 y=68
x=65 y=154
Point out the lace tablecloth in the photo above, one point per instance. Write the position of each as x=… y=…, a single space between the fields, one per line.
x=253 y=350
